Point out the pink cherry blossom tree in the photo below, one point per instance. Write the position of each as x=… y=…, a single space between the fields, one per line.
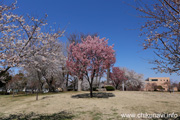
x=76 y=38
x=117 y=76
x=89 y=58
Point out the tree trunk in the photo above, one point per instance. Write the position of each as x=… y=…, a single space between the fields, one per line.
x=99 y=82
x=91 y=83
x=25 y=91
x=6 y=91
x=37 y=95
x=123 y=85
x=79 y=85
x=67 y=80
x=108 y=71
x=4 y=71
x=116 y=87
x=51 y=88
x=74 y=83
x=91 y=90
x=40 y=82
x=32 y=91
x=13 y=93
x=50 y=84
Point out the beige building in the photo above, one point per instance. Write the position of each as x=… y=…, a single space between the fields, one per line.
x=157 y=84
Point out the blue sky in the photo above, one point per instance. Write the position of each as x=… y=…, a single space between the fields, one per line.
x=110 y=18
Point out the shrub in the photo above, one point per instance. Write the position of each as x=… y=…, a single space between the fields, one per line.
x=70 y=89
x=160 y=87
x=21 y=92
x=4 y=93
x=155 y=90
x=109 y=88
x=94 y=88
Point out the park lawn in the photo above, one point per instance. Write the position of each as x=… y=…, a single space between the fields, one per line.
x=93 y=108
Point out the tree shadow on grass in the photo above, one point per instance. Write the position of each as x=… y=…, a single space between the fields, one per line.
x=95 y=95
x=32 y=116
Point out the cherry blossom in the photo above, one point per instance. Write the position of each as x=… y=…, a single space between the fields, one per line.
x=89 y=58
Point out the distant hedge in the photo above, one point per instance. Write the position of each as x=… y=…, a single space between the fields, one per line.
x=4 y=93
x=109 y=88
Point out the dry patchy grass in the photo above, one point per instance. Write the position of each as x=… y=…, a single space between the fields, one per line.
x=93 y=108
